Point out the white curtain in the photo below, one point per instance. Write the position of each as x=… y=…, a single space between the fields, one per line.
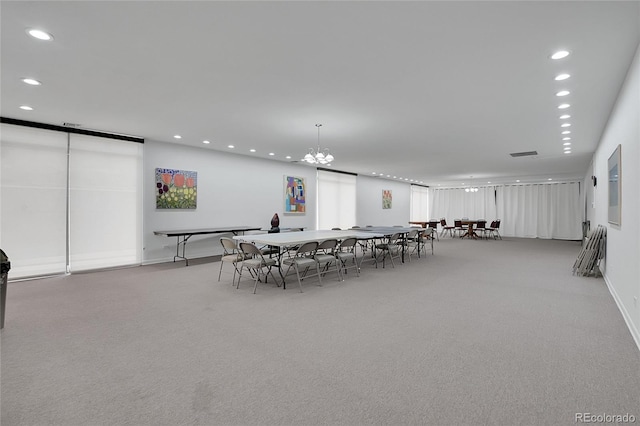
x=336 y=200
x=540 y=211
x=455 y=203
x=105 y=202
x=33 y=196
x=419 y=203
x=68 y=202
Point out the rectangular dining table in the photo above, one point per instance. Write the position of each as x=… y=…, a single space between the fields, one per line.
x=286 y=240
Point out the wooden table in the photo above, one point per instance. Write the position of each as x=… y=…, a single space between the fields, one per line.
x=470 y=232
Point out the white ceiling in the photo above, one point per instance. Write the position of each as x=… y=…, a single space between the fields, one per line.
x=430 y=91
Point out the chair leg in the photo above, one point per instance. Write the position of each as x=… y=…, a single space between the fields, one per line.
x=220 y=273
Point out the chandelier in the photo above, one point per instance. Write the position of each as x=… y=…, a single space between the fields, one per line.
x=318 y=156
x=471 y=188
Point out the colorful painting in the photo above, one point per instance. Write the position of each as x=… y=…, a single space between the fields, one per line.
x=294 y=195
x=386 y=198
x=176 y=189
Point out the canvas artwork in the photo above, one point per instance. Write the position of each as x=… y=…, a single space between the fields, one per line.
x=615 y=186
x=294 y=195
x=386 y=198
x=176 y=189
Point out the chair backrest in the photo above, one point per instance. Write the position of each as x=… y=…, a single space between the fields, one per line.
x=307 y=248
x=481 y=223
x=348 y=244
x=433 y=224
x=328 y=245
x=443 y=221
x=493 y=224
x=250 y=249
x=394 y=238
x=457 y=223
x=229 y=245
x=497 y=223
x=412 y=234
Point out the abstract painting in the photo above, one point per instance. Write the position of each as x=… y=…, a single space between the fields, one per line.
x=294 y=195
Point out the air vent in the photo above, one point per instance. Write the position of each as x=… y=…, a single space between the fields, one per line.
x=523 y=154
x=65 y=124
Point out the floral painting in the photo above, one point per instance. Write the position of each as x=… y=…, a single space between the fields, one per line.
x=386 y=198
x=176 y=189
x=294 y=195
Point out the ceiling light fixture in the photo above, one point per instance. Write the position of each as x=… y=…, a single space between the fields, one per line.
x=177 y=136
x=563 y=106
x=561 y=77
x=563 y=93
x=566 y=139
x=565 y=125
x=31 y=81
x=26 y=108
x=560 y=54
x=471 y=188
x=566 y=132
x=39 y=34
x=564 y=116
x=318 y=156
x=206 y=142
x=566 y=143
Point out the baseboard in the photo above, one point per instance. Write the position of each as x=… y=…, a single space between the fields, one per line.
x=625 y=314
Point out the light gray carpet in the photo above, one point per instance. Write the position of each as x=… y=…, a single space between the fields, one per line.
x=483 y=332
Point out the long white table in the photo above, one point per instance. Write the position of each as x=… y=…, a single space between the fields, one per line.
x=183 y=236
x=292 y=239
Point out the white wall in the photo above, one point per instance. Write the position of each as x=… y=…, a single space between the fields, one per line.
x=622 y=268
x=369 y=209
x=233 y=190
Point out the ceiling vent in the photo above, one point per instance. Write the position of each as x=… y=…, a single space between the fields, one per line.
x=523 y=154
x=65 y=124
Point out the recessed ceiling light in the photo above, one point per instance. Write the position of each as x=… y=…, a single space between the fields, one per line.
x=566 y=139
x=549 y=179
x=566 y=132
x=388 y=176
x=566 y=143
x=564 y=116
x=373 y=173
x=561 y=77
x=489 y=182
x=560 y=54
x=567 y=148
x=563 y=93
x=39 y=34
x=517 y=180
x=288 y=157
x=31 y=81
x=394 y=177
x=230 y=146
x=565 y=125
x=563 y=106
x=252 y=150
x=177 y=136
x=207 y=142
x=567 y=152
x=271 y=153
x=26 y=108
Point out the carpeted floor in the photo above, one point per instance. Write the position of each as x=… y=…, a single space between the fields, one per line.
x=482 y=332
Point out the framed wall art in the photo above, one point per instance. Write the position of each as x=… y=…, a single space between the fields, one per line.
x=294 y=195
x=176 y=189
x=615 y=186
x=387 y=198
